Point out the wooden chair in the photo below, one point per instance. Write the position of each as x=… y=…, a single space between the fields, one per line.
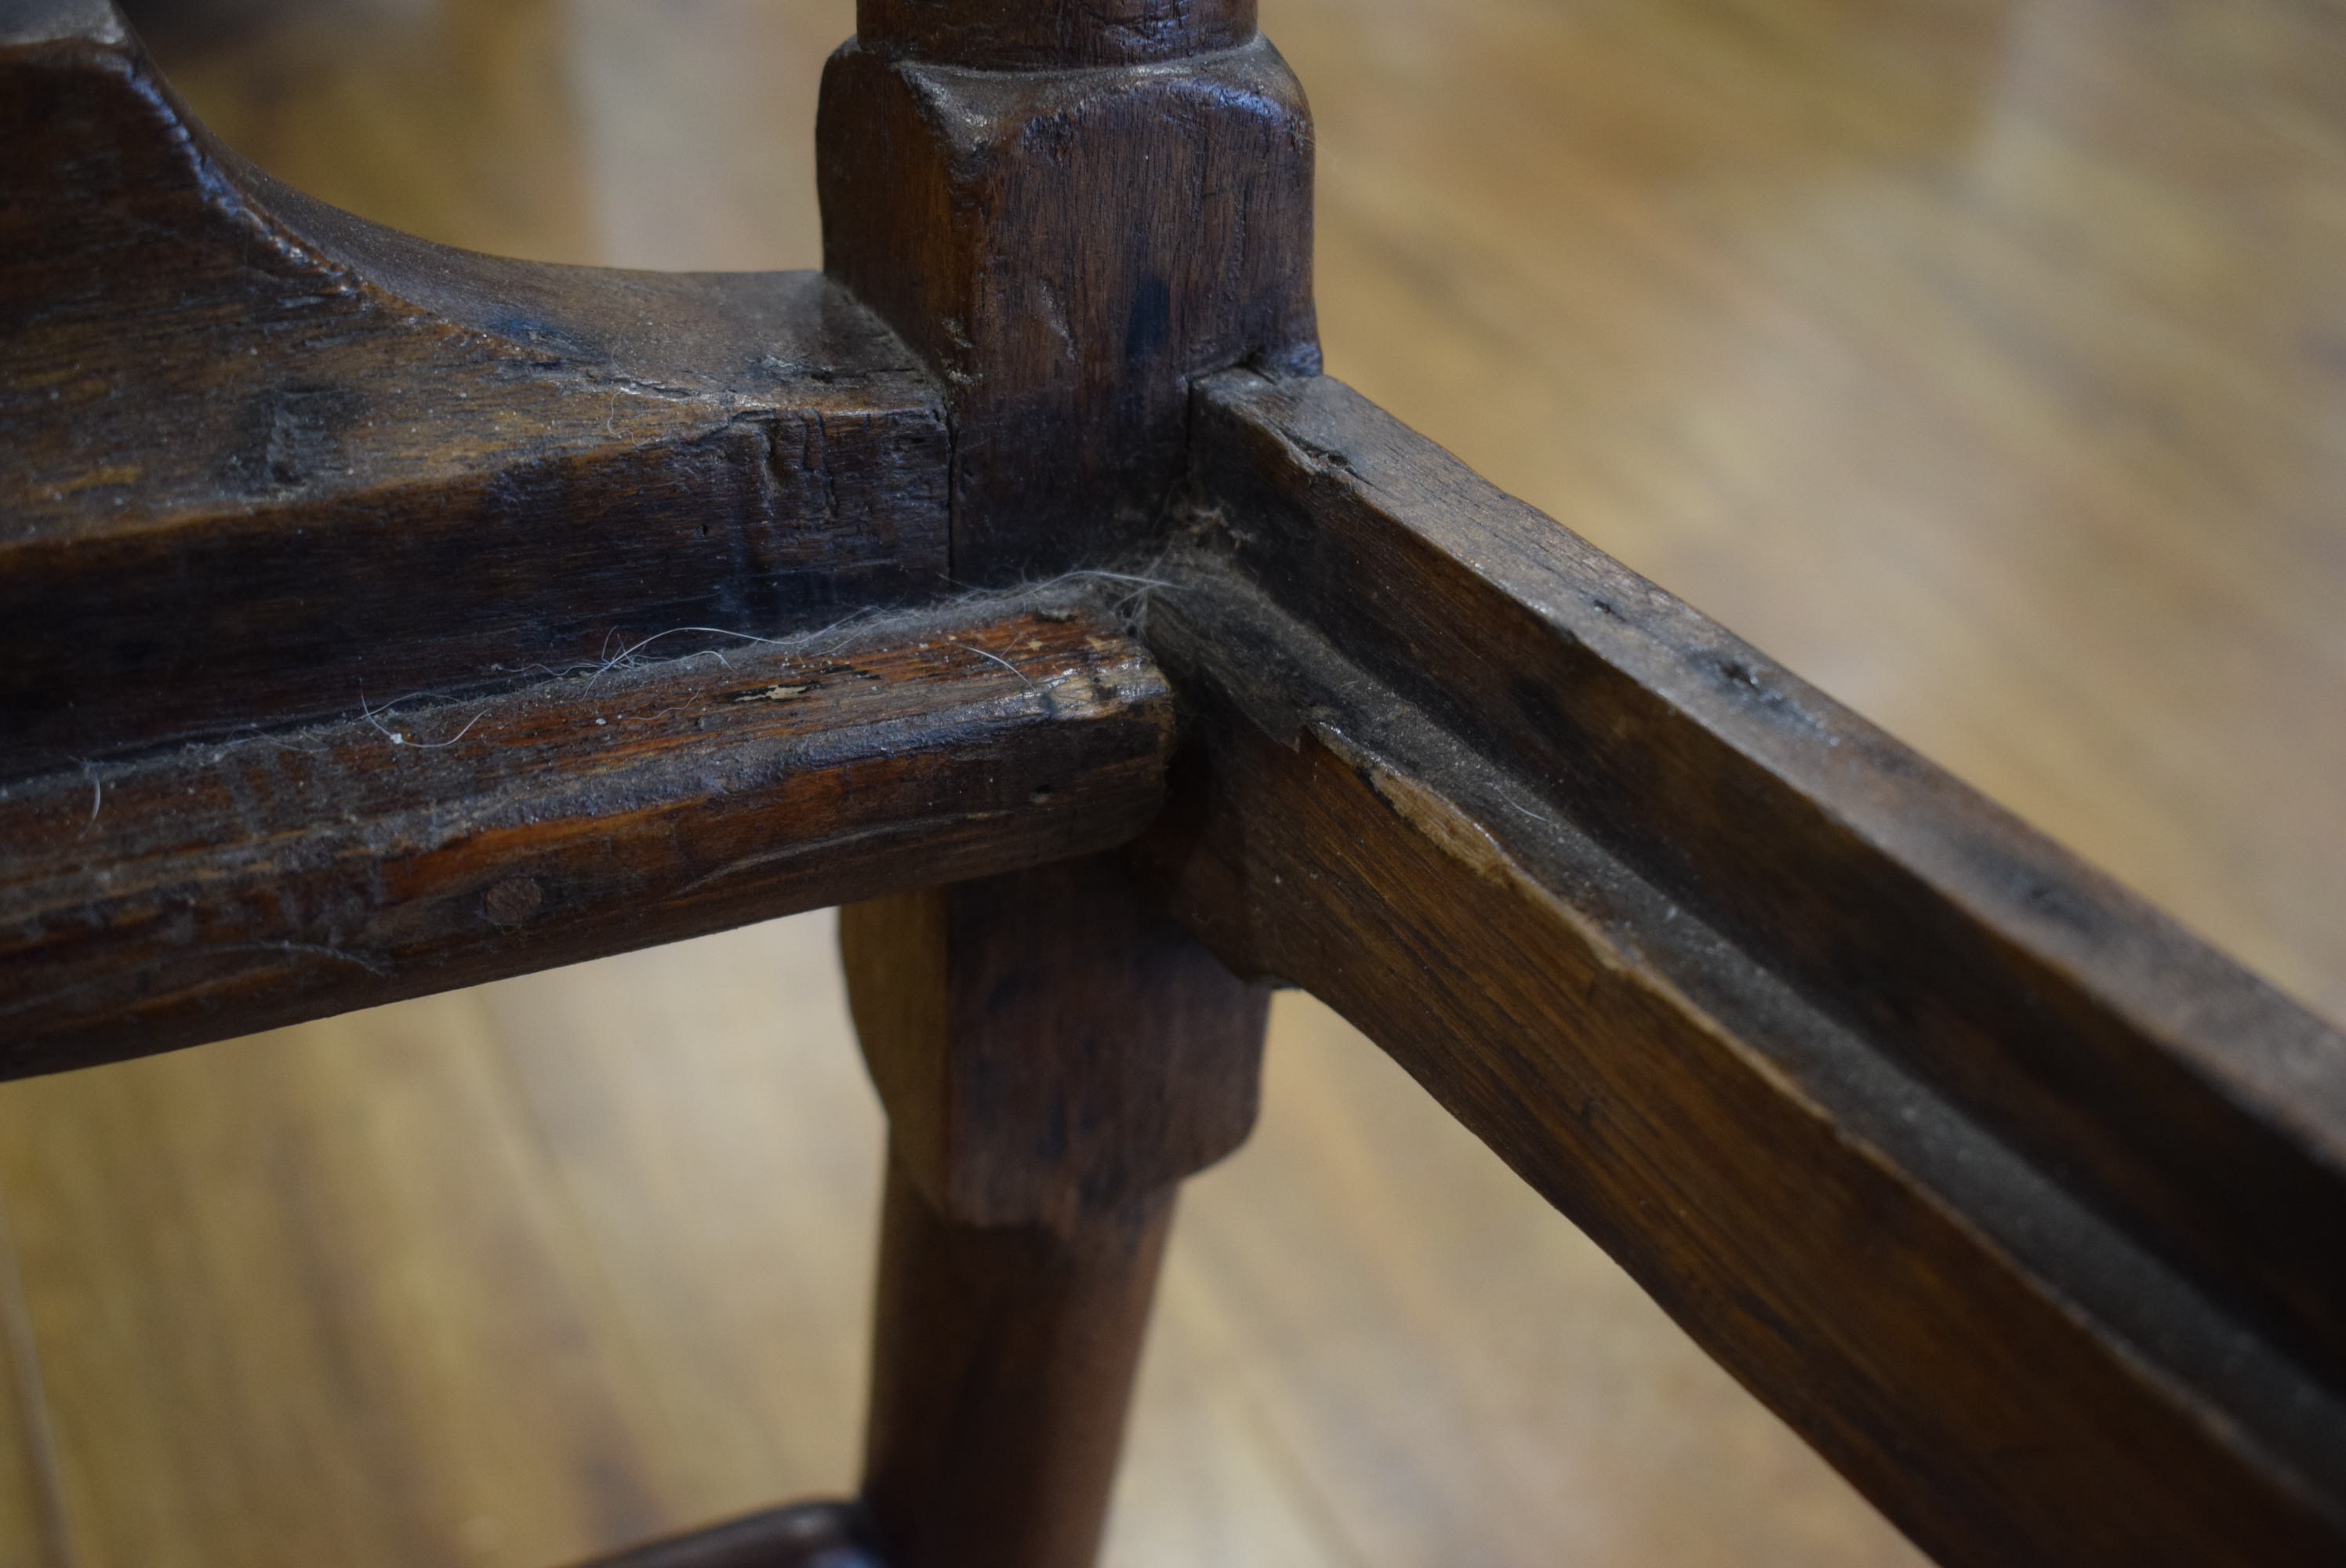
x=1019 y=583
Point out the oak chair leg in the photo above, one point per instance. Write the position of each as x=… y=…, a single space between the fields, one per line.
x=1055 y=1057
x=1003 y=1362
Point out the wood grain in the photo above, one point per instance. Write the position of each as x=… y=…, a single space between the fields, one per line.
x=1999 y=1368
x=34 y=1531
x=1049 y=1045
x=1925 y=346
x=2192 y=1101
x=1003 y=1359
x=214 y=890
x=1056 y=1055
x=1969 y=358
x=270 y=1394
x=1066 y=248
x=275 y=456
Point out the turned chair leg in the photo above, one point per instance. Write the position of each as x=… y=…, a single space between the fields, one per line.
x=1055 y=1057
x=1003 y=1360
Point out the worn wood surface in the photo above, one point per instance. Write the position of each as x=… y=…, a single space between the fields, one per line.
x=1055 y=1056
x=1456 y=760
x=2002 y=1370
x=2199 y=1105
x=221 y=887
x=1048 y=1045
x=1003 y=1359
x=1920 y=344
x=1066 y=248
x=269 y=458
x=1969 y=359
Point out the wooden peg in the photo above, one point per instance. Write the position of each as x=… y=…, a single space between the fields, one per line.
x=1069 y=247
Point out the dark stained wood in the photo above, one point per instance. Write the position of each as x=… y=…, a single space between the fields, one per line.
x=809 y=1535
x=223 y=888
x=2201 y=1108
x=1047 y=1045
x=2018 y=1202
x=268 y=458
x=1068 y=247
x=1002 y=1364
x=1965 y=1331
x=1055 y=1056
x=1010 y=35
x=1067 y=250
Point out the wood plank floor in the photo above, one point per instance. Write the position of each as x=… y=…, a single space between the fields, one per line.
x=1985 y=359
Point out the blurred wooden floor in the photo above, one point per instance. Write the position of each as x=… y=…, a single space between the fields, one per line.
x=1985 y=359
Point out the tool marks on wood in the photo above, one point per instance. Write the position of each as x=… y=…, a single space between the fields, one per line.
x=267 y=451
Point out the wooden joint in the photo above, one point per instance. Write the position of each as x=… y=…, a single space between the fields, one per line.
x=1993 y=1183
x=214 y=890
x=1067 y=250
x=1054 y=1055
x=268 y=459
x=1051 y=1051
